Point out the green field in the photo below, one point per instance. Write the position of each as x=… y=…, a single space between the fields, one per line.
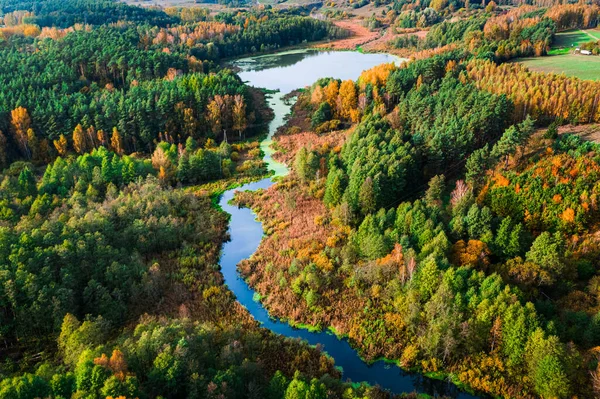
x=561 y=58
x=575 y=37
x=565 y=41
x=581 y=66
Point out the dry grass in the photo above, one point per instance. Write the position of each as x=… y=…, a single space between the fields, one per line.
x=290 y=144
x=359 y=36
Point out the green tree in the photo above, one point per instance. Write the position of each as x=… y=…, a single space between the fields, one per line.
x=334 y=187
x=321 y=115
x=547 y=251
x=477 y=164
x=428 y=277
x=545 y=362
x=298 y=389
x=183 y=168
x=367 y=196
x=433 y=195
x=63 y=385
x=277 y=386
x=317 y=390
x=479 y=222
x=27 y=184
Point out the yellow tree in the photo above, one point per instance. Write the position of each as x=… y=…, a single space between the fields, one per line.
x=239 y=114
x=164 y=166
x=317 y=95
x=79 y=143
x=331 y=93
x=116 y=142
x=215 y=114
x=118 y=364
x=61 y=145
x=101 y=136
x=190 y=123
x=348 y=99
x=20 y=123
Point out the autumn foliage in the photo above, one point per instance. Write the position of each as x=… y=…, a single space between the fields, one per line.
x=543 y=96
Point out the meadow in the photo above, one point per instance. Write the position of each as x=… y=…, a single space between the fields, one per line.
x=562 y=59
x=581 y=66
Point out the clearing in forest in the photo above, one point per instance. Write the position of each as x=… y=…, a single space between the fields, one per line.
x=581 y=66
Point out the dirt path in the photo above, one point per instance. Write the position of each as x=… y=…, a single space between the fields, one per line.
x=589 y=34
x=359 y=36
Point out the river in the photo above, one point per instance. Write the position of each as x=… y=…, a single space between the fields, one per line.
x=286 y=72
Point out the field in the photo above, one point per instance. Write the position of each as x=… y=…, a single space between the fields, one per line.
x=564 y=41
x=581 y=66
x=561 y=58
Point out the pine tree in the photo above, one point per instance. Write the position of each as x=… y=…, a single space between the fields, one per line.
x=367 y=197
x=183 y=168
x=190 y=145
x=107 y=171
x=3 y=154
x=477 y=164
x=321 y=115
x=117 y=169
x=129 y=172
x=300 y=163
x=27 y=182
x=433 y=195
x=334 y=187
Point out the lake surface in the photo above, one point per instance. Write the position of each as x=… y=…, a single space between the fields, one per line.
x=286 y=72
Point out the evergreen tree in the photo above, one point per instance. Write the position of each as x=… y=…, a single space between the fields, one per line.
x=367 y=197
x=183 y=168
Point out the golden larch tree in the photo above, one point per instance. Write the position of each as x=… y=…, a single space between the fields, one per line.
x=61 y=145
x=348 y=99
x=79 y=141
x=239 y=114
x=331 y=93
x=20 y=122
x=116 y=142
x=214 y=114
x=101 y=136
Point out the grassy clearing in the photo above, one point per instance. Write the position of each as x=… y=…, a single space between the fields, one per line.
x=581 y=66
x=561 y=58
x=565 y=42
x=570 y=38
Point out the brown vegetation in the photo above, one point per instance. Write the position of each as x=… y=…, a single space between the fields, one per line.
x=360 y=35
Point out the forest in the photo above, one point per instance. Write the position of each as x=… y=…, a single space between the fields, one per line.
x=115 y=140
x=436 y=215
x=444 y=229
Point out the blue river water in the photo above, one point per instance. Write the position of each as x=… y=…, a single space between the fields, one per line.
x=286 y=72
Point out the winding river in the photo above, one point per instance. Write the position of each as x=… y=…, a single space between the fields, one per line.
x=286 y=72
